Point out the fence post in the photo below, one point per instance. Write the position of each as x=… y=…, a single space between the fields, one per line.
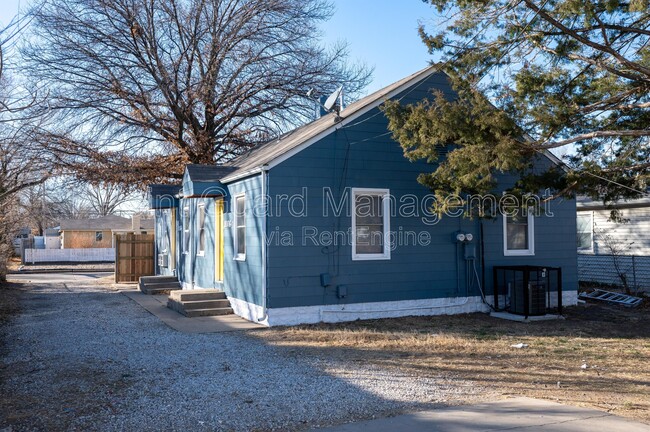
x=117 y=255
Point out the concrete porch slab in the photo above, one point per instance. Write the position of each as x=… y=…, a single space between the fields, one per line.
x=513 y=415
x=157 y=305
x=521 y=318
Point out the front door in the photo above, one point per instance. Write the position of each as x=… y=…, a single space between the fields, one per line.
x=218 y=240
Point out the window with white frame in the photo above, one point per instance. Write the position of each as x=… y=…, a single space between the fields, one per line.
x=201 y=222
x=585 y=230
x=240 y=227
x=519 y=234
x=99 y=236
x=370 y=224
x=186 y=230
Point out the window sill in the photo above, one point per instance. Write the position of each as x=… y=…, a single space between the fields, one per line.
x=370 y=257
x=519 y=253
x=240 y=257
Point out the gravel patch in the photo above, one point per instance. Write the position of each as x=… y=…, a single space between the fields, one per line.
x=86 y=358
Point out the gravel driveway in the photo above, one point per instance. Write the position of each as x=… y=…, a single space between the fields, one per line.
x=88 y=358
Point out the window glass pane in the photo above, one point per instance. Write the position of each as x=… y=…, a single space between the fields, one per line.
x=186 y=230
x=241 y=240
x=240 y=210
x=201 y=229
x=240 y=224
x=584 y=240
x=369 y=224
x=517 y=233
x=584 y=231
x=584 y=223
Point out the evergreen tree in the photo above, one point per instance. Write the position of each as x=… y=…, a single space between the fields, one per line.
x=533 y=76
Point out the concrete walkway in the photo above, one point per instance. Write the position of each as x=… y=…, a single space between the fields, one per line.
x=157 y=305
x=517 y=414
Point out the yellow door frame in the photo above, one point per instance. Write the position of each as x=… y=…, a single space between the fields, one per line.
x=218 y=239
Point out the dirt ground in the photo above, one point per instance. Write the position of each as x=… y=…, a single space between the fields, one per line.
x=598 y=357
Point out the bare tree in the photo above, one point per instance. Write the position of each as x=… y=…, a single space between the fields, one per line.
x=21 y=164
x=137 y=85
x=105 y=198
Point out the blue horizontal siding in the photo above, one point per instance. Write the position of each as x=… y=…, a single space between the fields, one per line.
x=341 y=160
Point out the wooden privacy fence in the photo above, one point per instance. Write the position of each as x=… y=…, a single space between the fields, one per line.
x=134 y=257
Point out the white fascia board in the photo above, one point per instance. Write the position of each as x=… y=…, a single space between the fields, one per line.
x=249 y=173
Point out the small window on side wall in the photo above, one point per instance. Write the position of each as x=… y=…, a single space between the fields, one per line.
x=519 y=234
x=201 y=221
x=585 y=231
x=186 y=230
x=240 y=227
x=370 y=224
x=99 y=236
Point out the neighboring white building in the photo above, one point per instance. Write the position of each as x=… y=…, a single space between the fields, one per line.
x=597 y=234
x=605 y=244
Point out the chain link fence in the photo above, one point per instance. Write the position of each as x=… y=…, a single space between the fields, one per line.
x=615 y=269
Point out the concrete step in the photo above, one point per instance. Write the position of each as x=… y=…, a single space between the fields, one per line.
x=208 y=312
x=158 y=284
x=196 y=295
x=169 y=285
x=158 y=279
x=195 y=303
x=206 y=304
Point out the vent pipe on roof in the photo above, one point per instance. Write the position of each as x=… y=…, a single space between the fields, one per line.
x=320 y=109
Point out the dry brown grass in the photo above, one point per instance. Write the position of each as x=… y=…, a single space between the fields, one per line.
x=13 y=264
x=613 y=342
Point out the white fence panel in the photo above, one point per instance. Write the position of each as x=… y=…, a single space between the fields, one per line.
x=33 y=256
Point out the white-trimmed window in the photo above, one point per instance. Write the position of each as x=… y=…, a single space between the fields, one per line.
x=201 y=222
x=186 y=230
x=99 y=236
x=240 y=227
x=519 y=234
x=585 y=230
x=370 y=224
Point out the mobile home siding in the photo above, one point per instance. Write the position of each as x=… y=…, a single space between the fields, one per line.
x=631 y=237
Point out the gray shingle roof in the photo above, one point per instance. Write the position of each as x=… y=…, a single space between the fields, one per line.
x=208 y=173
x=271 y=150
x=106 y=223
x=164 y=189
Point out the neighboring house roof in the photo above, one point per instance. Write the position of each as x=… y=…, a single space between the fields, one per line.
x=250 y=163
x=584 y=203
x=106 y=223
x=208 y=173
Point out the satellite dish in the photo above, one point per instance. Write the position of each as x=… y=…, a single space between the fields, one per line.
x=331 y=100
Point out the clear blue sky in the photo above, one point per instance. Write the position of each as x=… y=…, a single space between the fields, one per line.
x=381 y=33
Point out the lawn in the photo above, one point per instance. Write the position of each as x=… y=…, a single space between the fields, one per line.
x=598 y=357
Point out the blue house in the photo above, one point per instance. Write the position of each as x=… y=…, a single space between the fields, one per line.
x=328 y=223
